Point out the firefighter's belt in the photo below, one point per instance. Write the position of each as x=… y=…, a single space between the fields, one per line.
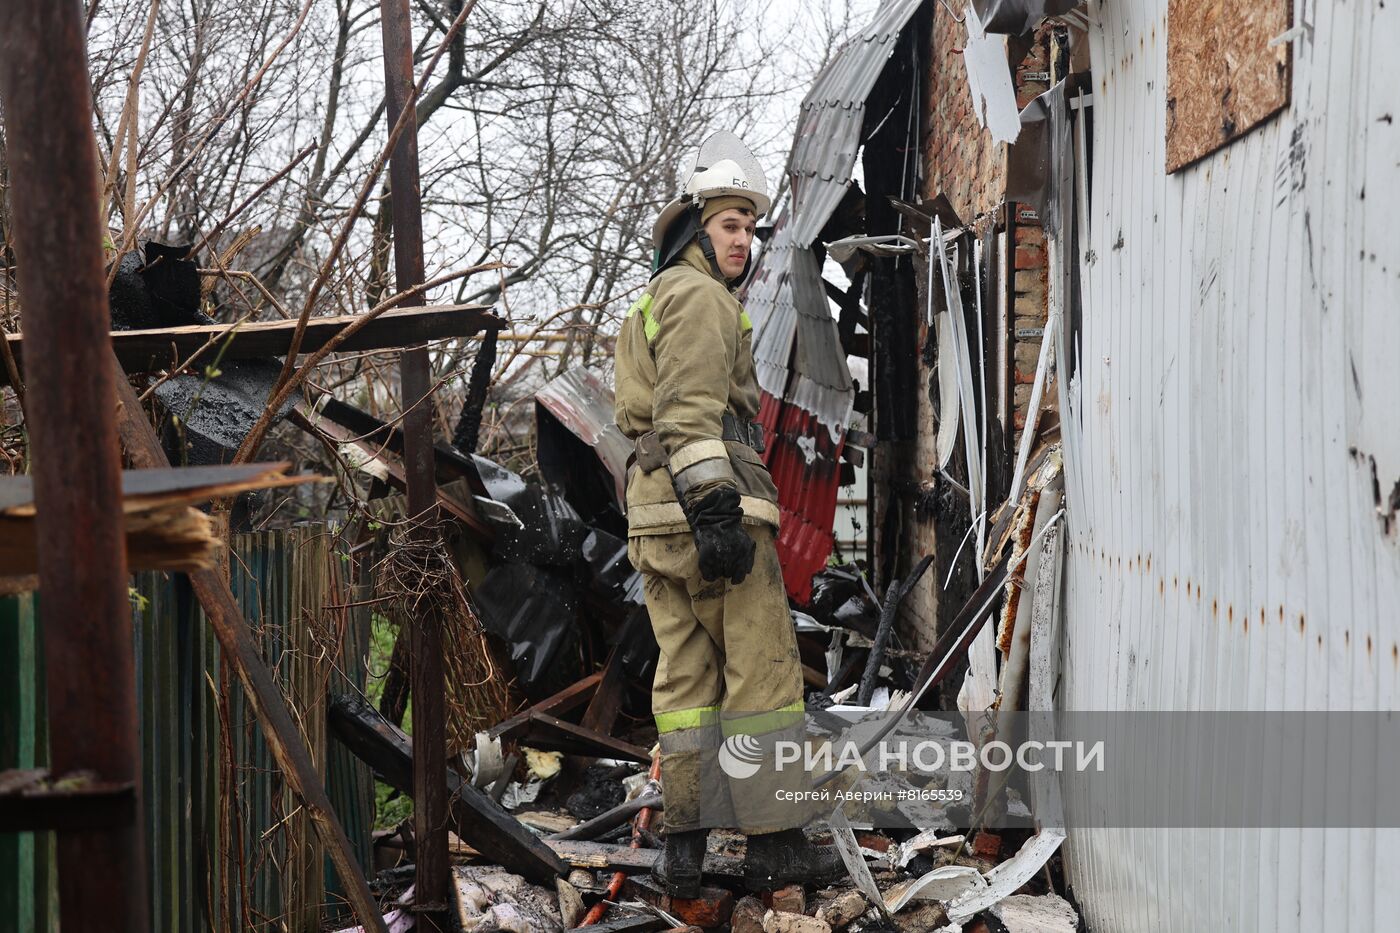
x=649 y=454
x=745 y=432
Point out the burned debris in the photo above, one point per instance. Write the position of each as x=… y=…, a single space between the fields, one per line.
x=1067 y=402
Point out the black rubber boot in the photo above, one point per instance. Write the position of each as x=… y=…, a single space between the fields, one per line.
x=775 y=860
x=678 y=868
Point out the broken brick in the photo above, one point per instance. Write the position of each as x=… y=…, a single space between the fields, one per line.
x=987 y=845
x=747 y=916
x=874 y=842
x=781 y=922
x=710 y=911
x=791 y=899
x=843 y=910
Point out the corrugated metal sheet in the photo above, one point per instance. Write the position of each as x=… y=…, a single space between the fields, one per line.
x=806 y=402
x=805 y=466
x=1230 y=429
x=833 y=114
x=797 y=350
x=800 y=363
x=291 y=587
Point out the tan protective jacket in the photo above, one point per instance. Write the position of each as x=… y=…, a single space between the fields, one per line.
x=684 y=358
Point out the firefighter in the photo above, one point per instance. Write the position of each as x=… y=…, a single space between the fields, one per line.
x=702 y=516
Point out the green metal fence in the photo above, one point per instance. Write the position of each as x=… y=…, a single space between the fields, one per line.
x=228 y=847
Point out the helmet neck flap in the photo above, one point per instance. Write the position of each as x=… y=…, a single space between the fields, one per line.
x=680 y=234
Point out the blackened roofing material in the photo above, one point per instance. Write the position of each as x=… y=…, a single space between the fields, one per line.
x=582 y=400
x=832 y=116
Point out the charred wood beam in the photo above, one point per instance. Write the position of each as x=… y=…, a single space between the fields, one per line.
x=601 y=714
x=473 y=816
x=608 y=819
x=451 y=464
x=893 y=597
x=151 y=350
x=393 y=470
x=552 y=733
x=953 y=644
x=571 y=697
x=467 y=434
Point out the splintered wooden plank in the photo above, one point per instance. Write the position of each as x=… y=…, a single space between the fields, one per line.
x=167 y=486
x=1223 y=79
x=600 y=855
x=161 y=348
x=601 y=714
x=388 y=468
x=554 y=734
x=161 y=530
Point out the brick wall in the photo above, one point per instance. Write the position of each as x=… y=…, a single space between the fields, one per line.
x=960 y=159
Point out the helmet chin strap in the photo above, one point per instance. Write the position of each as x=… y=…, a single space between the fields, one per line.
x=708 y=248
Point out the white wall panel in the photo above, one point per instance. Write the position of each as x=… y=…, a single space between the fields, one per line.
x=1239 y=371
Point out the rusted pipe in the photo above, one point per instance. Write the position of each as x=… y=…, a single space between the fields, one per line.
x=425 y=654
x=88 y=647
x=639 y=826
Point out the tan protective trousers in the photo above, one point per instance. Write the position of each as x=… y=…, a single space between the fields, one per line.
x=728 y=667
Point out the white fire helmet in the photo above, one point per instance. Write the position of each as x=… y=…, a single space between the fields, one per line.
x=722 y=166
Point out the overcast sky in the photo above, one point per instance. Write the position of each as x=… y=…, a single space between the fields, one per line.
x=805 y=27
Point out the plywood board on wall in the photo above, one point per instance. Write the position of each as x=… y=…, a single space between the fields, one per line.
x=1223 y=79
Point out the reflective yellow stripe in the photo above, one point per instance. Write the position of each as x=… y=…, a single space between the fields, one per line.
x=705 y=471
x=762 y=509
x=649 y=325
x=687 y=718
x=744 y=322
x=667 y=514
x=695 y=452
x=760 y=723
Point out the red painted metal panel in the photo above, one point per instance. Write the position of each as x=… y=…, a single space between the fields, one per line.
x=805 y=465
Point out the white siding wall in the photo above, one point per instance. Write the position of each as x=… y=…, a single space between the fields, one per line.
x=1241 y=336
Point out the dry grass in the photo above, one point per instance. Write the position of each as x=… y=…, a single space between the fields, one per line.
x=418 y=576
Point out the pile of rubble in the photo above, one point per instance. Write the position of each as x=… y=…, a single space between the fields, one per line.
x=557 y=811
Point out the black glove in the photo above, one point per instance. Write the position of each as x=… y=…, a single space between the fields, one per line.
x=725 y=548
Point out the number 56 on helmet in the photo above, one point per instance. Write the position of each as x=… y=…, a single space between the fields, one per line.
x=722 y=166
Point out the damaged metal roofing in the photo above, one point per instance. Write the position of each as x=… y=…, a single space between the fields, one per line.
x=797 y=350
x=583 y=402
x=833 y=114
x=801 y=365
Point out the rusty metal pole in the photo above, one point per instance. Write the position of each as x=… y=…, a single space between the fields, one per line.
x=425 y=663
x=86 y=613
